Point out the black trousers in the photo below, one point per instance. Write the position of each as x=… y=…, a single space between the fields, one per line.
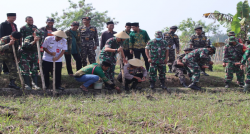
x=127 y=54
x=47 y=67
x=127 y=81
x=5 y=68
x=68 y=62
x=138 y=52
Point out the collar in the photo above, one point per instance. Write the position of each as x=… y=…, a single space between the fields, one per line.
x=127 y=32
x=110 y=32
x=8 y=22
x=29 y=25
x=86 y=27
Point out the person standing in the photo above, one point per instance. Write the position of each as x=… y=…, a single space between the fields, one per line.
x=157 y=57
x=54 y=47
x=199 y=41
x=173 y=43
x=245 y=59
x=90 y=41
x=109 y=52
x=73 y=42
x=6 y=28
x=125 y=45
x=7 y=55
x=137 y=43
x=29 y=57
x=29 y=28
x=107 y=34
x=233 y=52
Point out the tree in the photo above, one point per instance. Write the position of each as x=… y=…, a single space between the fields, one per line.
x=75 y=12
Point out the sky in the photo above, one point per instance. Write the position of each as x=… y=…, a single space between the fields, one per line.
x=153 y=15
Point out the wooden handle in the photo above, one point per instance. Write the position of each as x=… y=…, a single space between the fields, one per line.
x=40 y=65
x=54 y=77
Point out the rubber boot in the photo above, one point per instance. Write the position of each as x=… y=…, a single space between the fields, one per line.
x=34 y=83
x=26 y=79
x=152 y=85
x=13 y=85
x=246 y=88
x=227 y=85
x=183 y=82
x=163 y=86
x=194 y=86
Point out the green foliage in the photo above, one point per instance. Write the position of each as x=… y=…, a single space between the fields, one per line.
x=236 y=27
x=76 y=11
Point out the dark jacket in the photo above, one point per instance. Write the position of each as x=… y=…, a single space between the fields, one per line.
x=46 y=32
x=6 y=29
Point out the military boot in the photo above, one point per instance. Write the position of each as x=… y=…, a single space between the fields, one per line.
x=152 y=85
x=241 y=85
x=34 y=83
x=13 y=85
x=194 y=86
x=227 y=85
x=183 y=82
x=26 y=79
x=246 y=88
x=163 y=86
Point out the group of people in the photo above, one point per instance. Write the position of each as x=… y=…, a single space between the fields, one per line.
x=80 y=42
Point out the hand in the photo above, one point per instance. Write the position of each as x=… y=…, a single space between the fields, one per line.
x=125 y=61
x=95 y=47
x=33 y=29
x=237 y=63
x=180 y=64
x=242 y=67
x=149 y=60
x=165 y=61
x=55 y=59
x=224 y=64
x=205 y=66
x=12 y=42
x=118 y=90
x=131 y=51
x=143 y=79
x=119 y=49
x=138 y=79
x=177 y=51
x=66 y=53
x=53 y=54
x=211 y=63
x=36 y=39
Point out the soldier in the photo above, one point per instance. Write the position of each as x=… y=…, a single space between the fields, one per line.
x=157 y=57
x=109 y=52
x=233 y=52
x=195 y=60
x=173 y=42
x=199 y=41
x=125 y=46
x=209 y=43
x=73 y=42
x=29 y=28
x=231 y=33
x=179 y=67
x=90 y=41
x=29 y=57
x=246 y=58
x=134 y=73
x=7 y=55
x=137 y=42
x=107 y=34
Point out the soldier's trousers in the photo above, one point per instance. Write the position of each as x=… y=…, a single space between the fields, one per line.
x=28 y=63
x=87 y=52
x=194 y=69
x=248 y=75
x=110 y=73
x=127 y=54
x=230 y=69
x=153 y=71
x=8 y=59
x=171 y=58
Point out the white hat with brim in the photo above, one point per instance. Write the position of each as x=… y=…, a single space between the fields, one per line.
x=136 y=62
x=122 y=35
x=60 y=33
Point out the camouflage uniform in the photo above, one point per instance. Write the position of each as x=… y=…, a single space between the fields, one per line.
x=198 y=41
x=7 y=56
x=180 y=70
x=233 y=54
x=244 y=60
x=110 y=57
x=158 y=55
x=89 y=38
x=125 y=47
x=27 y=30
x=171 y=39
x=194 y=60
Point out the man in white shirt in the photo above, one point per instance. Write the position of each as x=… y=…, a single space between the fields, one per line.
x=54 y=47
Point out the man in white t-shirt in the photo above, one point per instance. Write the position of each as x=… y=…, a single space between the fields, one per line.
x=54 y=48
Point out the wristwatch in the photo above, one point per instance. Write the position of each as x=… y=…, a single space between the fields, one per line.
x=115 y=50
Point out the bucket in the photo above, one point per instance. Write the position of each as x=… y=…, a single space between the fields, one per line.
x=98 y=85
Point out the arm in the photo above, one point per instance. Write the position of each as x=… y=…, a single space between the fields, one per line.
x=146 y=37
x=59 y=56
x=245 y=56
x=68 y=35
x=177 y=44
x=1 y=31
x=191 y=42
x=96 y=38
x=167 y=53
x=225 y=55
x=4 y=45
x=28 y=44
x=102 y=42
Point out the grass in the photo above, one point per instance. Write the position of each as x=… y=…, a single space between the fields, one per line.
x=213 y=110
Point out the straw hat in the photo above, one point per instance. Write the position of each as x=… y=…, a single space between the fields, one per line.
x=136 y=62
x=60 y=33
x=122 y=35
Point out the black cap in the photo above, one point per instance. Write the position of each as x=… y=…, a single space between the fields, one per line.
x=203 y=32
x=11 y=14
x=188 y=49
x=50 y=20
x=174 y=27
x=75 y=23
x=128 y=24
x=135 y=24
x=110 y=22
x=16 y=35
x=87 y=18
x=231 y=33
x=106 y=64
x=198 y=27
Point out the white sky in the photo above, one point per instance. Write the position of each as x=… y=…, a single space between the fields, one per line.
x=152 y=15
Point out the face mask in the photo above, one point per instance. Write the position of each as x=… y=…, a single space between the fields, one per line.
x=231 y=43
x=158 y=39
x=172 y=32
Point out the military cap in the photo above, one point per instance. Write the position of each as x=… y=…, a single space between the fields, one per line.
x=75 y=23
x=87 y=18
x=231 y=33
x=16 y=35
x=213 y=47
x=50 y=20
x=232 y=39
x=158 y=34
x=39 y=33
x=128 y=24
x=198 y=27
x=11 y=14
x=174 y=27
x=135 y=24
x=110 y=22
x=188 y=49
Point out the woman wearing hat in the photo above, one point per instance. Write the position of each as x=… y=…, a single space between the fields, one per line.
x=54 y=47
x=134 y=72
